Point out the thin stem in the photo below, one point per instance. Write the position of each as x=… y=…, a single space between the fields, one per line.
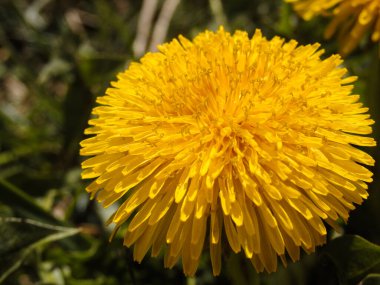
x=216 y=7
x=144 y=25
x=162 y=25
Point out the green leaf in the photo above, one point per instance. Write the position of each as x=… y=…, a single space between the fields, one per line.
x=353 y=257
x=23 y=203
x=76 y=110
x=19 y=237
x=92 y=76
x=371 y=279
x=96 y=70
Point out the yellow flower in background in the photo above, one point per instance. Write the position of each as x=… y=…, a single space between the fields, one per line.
x=308 y=9
x=353 y=18
x=245 y=143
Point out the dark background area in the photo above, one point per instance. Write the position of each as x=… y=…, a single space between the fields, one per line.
x=56 y=57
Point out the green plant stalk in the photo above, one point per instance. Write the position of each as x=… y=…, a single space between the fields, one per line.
x=11 y=195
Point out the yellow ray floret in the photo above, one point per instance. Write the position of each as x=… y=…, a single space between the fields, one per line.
x=248 y=143
x=353 y=18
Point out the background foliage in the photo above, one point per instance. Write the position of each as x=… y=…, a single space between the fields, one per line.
x=56 y=56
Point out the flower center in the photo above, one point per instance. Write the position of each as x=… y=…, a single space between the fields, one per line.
x=224 y=126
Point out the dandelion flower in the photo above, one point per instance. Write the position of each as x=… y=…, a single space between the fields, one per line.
x=353 y=18
x=308 y=9
x=245 y=144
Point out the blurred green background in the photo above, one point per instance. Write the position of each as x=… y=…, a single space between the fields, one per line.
x=56 y=57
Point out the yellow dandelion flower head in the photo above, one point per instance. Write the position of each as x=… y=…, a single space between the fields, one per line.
x=245 y=143
x=353 y=18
